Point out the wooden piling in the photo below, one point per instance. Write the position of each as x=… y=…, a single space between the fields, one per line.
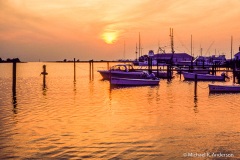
x=92 y=70
x=14 y=80
x=14 y=75
x=149 y=65
x=169 y=74
x=234 y=72
x=212 y=69
x=74 y=64
x=195 y=85
x=44 y=73
x=180 y=73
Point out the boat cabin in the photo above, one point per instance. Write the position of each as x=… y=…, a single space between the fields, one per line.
x=123 y=68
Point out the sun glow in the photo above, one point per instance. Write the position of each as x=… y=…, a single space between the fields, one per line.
x=109 y=37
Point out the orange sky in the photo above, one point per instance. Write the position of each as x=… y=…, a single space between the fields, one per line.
x=59 y=29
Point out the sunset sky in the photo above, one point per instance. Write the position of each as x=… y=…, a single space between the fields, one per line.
x=98 y=29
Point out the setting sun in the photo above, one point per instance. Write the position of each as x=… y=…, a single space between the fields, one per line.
x=109 y=37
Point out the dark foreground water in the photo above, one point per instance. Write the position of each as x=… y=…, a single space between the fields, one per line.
x=90 y=120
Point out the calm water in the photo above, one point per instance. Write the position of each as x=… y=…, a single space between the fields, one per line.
x=90 y=120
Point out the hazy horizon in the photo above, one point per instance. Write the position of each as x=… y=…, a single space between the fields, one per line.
x=108 y=30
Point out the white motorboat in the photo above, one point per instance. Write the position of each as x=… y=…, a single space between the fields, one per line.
x=203 y=77
x=223 y=88
x=121 y=71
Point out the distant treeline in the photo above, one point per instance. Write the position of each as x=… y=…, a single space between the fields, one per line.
x=10 y=60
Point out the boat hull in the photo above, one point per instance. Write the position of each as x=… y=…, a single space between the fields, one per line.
x=223 y=88
x=134 y=82
x=202 y=77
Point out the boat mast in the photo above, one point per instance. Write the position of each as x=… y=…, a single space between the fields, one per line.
x=136 y=52
x=191 y=45
x=231 y=46
x=171 y=37
x=172 y=44
x=201 y=49
x=124 y=50
x=139 y=47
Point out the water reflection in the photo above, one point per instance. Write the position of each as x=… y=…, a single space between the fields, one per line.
x=196 y=104
x=74 y=87
x=44 y=91
x=14 y=102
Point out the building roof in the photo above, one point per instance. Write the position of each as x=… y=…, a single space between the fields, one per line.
x=175 y=55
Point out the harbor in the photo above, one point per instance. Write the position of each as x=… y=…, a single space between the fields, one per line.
x=119 y=80
x=88 y=119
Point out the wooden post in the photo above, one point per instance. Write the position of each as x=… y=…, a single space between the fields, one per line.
x=74 y=64
x=180 y=73
x=44 y=76
x=195 y=85
x=212 y=69
x=107 y=65
x=110 y=76
x=149 y=65
x=92 y=70
x=14 y=79
x=234 y=72
x=44 y=73
x=168 y=72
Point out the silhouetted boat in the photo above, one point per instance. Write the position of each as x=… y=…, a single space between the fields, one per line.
x=223 y=88
x=134 y=82
x=203 y=77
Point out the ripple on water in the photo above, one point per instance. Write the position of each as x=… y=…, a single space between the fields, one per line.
x=89 y=119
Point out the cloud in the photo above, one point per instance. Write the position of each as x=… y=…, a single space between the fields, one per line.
x=80 y=24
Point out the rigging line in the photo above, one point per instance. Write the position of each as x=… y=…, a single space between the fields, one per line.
x=202 y=87
x=178 y=38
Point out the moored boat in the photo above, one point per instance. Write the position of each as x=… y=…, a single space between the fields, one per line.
x=121 y=71
x=203 y=77
x=223 y=88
